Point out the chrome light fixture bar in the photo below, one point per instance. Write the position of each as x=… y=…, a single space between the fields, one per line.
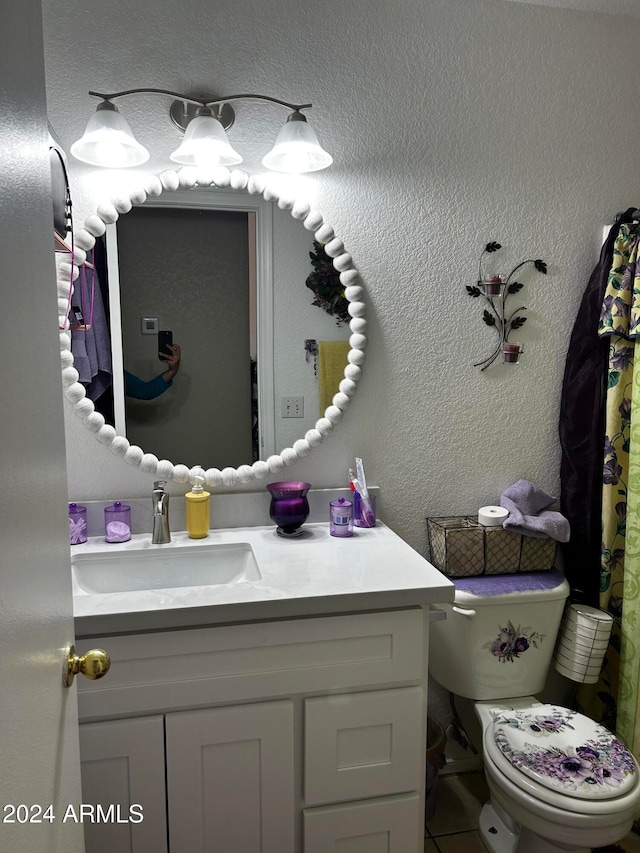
x=108 y=140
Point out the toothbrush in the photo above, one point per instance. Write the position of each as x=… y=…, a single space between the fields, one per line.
x=361 y=482
x=361 y=478
x=354 y=483
x=366 y=510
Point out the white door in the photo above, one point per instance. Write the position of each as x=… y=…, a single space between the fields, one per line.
x=38 y=722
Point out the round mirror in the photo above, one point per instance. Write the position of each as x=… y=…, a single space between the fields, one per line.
x=188 y=178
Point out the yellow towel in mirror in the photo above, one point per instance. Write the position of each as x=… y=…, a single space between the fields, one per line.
x=332 y=360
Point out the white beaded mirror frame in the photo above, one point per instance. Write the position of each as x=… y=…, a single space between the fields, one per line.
x=84 y=240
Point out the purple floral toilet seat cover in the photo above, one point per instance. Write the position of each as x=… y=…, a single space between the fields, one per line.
x=565 y=751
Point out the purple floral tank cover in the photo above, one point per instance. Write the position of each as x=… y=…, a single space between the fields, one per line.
x=565 y=751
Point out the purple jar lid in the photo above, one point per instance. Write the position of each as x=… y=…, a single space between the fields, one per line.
x=117 y=507
x=341 y=503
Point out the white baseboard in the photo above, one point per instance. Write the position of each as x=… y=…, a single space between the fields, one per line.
x=463 y=765
x=460 y=759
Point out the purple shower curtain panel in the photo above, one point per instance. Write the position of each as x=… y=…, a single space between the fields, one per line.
x=581 y=430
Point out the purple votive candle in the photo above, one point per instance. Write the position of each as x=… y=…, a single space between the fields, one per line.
x=492 y=285
x=290 y=512
x=511 y=353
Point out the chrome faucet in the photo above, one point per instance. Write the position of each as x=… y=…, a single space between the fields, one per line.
x=161 y=534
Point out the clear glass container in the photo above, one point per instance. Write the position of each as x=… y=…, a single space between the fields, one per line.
x=511 y=353
x=493 y=284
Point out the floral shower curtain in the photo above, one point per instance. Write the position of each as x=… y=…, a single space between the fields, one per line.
x=628 y=721
x=628 y=727
x=614 y=699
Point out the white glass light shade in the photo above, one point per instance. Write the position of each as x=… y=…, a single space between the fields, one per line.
x=108 y=141
x=297 y=150
x=205 y=144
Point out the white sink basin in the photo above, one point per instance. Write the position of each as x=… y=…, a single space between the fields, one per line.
x=165 y=567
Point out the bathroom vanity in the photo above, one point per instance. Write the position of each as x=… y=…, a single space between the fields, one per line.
x=282 y=710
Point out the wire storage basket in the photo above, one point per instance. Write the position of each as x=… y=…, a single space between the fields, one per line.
x=456 y=545
x=461 y=547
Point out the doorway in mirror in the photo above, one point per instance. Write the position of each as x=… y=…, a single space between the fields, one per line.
x=192 y=271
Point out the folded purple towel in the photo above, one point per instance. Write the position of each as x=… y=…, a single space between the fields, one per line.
x=528 y=513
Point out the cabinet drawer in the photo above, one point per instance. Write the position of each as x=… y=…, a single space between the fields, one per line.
x=374 y=826
x=204 y=666
x=362 y=745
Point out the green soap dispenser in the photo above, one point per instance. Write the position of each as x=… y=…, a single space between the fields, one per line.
x=197 y=509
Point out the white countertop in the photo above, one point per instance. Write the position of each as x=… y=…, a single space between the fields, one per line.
x=310 y=575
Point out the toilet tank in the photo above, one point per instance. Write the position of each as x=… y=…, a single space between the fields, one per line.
x=498 y=637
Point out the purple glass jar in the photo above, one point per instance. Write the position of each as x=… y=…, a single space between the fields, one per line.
x=341 y=518
x=77 y=524
x=289 y=507
x=117 y=522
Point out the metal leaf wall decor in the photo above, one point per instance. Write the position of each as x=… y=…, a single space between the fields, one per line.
x=495 y=290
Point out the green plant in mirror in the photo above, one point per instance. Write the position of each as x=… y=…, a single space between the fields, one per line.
x=495 y=289
x=327 y=288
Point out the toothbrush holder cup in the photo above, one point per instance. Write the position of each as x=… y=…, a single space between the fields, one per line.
x=362 y=518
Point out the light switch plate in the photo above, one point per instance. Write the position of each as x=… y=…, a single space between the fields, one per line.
x=149 y=325
x=293 y=407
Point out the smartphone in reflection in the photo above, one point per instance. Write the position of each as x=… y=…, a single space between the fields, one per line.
x=164 y=339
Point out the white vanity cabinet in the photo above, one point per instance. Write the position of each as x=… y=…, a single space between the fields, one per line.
x=290 y=736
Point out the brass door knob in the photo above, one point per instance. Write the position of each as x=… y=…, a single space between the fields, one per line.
x=93 y=665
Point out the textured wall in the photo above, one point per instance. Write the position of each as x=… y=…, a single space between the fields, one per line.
x=452 y=122
x=612 y=7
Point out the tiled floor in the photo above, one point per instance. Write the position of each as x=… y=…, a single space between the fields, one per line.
x=453 y=828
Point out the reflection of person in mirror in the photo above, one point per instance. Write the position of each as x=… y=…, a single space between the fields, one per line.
x=141 y=390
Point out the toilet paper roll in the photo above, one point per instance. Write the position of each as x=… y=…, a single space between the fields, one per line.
x=492 y=516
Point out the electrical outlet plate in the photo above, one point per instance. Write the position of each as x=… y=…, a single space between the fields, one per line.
x=293 y=407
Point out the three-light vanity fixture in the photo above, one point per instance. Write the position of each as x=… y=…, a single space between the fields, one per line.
x=108 y=140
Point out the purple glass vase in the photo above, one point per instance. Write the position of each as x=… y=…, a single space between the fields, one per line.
x=289 y=507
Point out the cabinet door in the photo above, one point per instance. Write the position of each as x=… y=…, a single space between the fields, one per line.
x=230 y=779
x=122 y=763
x=389 y=825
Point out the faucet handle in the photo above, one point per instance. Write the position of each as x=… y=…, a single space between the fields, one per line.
x=159 y=484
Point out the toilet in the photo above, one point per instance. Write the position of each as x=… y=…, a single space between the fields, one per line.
x=557 y=780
